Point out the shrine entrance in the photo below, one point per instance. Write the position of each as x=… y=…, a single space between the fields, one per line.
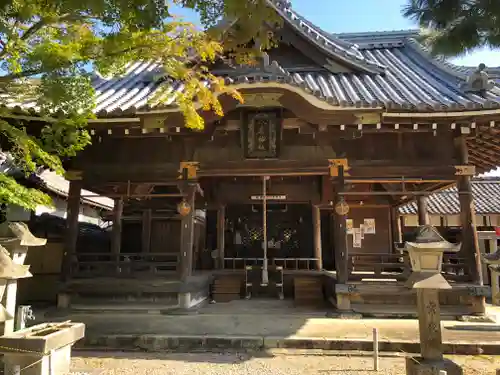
x=289 y=231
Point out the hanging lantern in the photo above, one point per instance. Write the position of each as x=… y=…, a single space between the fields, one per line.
x=184 y=208
x=342 y=208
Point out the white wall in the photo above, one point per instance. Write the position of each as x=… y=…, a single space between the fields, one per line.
x=87 y=214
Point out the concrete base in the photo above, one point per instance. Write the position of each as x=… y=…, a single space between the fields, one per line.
x=343 y=315
x=63 y=300
x=420 y=366
x=343 y=302
x=56 y=363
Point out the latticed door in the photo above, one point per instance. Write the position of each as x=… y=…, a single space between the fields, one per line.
x=289 y=231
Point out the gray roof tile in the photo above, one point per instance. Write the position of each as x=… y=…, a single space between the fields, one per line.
x=486 y=194
x=410 y=82
x=393 y=71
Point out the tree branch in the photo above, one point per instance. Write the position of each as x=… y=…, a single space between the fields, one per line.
x=34 y=29
x=23 y=74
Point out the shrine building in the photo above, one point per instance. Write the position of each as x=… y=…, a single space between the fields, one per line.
x=293 y=194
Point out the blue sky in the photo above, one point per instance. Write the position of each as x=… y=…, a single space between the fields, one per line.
x=339 y=16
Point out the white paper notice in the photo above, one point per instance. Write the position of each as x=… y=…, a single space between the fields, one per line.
x=369 y=225
x=349 y=225
x=356 y=237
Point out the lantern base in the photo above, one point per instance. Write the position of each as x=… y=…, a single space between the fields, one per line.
x=421 y=366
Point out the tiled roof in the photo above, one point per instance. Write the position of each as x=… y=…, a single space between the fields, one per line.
x=390 y=70
x=54 y=183
x=60 y=186
x=486 y=192
x=411 y=81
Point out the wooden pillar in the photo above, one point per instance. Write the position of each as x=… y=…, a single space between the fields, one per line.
x=340 y=232
x=423 y=213
x=221 y=232
x=116 y=232
x=396 y=235
x=317 y=237
x=73 y=211
x=470 y=243
x=146 y=230
x=187 y=236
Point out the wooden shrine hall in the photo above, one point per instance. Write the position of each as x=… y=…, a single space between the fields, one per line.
x=294 y=193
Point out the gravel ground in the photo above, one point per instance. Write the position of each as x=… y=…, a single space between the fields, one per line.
x=275 y=363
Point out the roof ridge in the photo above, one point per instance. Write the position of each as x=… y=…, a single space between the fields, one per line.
x=335 y=47
x=387 y=33
x=438 y=61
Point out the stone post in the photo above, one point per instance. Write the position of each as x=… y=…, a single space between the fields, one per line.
x=426 y=256
x=495 y=284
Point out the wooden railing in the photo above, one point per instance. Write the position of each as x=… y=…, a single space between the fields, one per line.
x=106 y=264
x=455 y=268
x=294 y=264
x=397 y=266
x=379 y=266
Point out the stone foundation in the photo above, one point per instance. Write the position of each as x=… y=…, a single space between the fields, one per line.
x=418 y=366
x=386 y=300
x=56 y=363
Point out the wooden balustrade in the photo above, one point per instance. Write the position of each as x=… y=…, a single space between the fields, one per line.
x=379 y=266
x=455 y=268
x=397 y=266
x=292 y=264
x=125 y=264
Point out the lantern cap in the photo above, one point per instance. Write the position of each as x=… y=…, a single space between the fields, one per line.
x=428 y=238
x=9 y=269
x=18 y=231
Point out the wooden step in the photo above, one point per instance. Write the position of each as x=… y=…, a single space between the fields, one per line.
x=308 y=291
x=227 y=288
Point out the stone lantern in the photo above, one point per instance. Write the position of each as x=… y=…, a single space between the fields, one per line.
x=426 y=258
x=493 y=262
x=15 y=239
x=43 y=349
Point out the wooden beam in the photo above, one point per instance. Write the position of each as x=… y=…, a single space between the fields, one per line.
x=431 y=172
x=495 y=146
x=386 y=193
x=144 y=195
x=397 y=181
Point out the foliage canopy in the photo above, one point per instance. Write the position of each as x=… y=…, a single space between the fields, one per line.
x=48 y=49
x=455 y=27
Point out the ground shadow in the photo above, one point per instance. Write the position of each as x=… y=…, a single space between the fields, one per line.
x=230 y=357
x=238 y=325
x=474 y=327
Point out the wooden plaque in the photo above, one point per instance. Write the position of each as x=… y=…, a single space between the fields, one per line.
x=262 y=135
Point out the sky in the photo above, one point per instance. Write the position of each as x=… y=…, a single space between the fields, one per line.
x=341 y=16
